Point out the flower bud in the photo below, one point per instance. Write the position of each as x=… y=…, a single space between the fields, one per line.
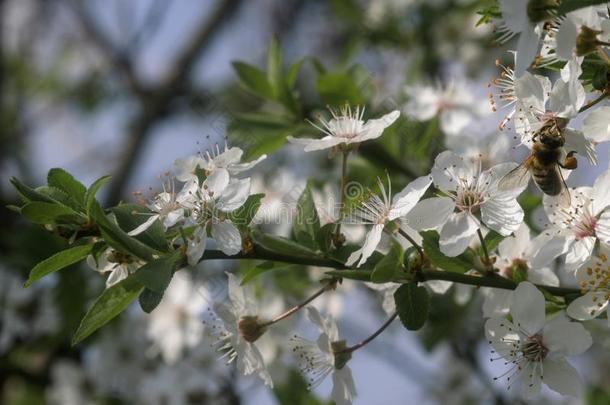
x=517 y=271
x=341 y=356
x=586 y=41
x=250 y=328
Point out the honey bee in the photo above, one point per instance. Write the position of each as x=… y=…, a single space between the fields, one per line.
x=544 y=163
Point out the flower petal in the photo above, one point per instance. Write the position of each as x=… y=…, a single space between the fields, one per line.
x=374 y=128
x=503 y=215
x=234 y=195
x=596 y=125
x=527 y=48
x=457 y=233
x=227 y=237
x=404 y=201
x=316 y=144
x=561 y=377
x=496 y=303
x=196 y=246
x=344 y=389
x=566 y=338
x=527 y=308
x=367 y=249
x=587 y=307
x=430 y=213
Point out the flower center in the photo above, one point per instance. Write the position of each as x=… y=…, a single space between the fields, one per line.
x=468 y=200
x=533 y=348
x=598 y=280
x=250 y=328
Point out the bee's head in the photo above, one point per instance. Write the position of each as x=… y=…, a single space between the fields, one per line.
x=551 y=139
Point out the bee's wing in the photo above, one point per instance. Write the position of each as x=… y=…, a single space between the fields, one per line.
x=516 y=178
x=563 y=198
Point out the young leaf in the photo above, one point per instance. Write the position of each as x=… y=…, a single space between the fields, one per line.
x=336 y=89
x=457 y=264
x=109 y=304
x=274 y=66
x=64 y=181
x=27 y=193
x=118 y=238
x=244 y=214
x=130 y=216
x=306 y=224
x=254 y=80
x=265 y=267
x=281 y=245
x=157 y=274
x=44 y=213
x=412 y=303
x=386 y=268
x=149 y=300
x=92 y=191
x=57 y=262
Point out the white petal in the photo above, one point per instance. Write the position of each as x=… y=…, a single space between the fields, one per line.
x=118 y=274
x=585 y=308
x=514 y=14
x=196 y=246
x=578 y=253
x=527 y=308
x=566 y=338
x=404 y=201
x=562 y=377
x=216 y=182
x=542 y=275
x=236 y=294
x=501 y=335
x=497 y=302
x=531 y=91
x=596 y=125
x=228 y=157
x=235 y=195
x=144 y=226
x=555 y=246
x=576 y=141
x=242 y=167
x=344 y=389
x=516 y=246
x=439 y=286
x=601 y=193
x=367 y=249
x=453 y=121
x=566 y=39
x=602 y=227
x=457 y=233
x=430 y=213
x=531 y=380
x=184 y=169
x=566 y=98
x=527 y=48
x=448 y=169
x=227 y=237
x=316 y=144
x=374 y=128
x=503 y=215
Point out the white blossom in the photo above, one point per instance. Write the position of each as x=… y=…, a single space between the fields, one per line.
x=574 y=230
x=233 y=329
x=465 y=191
x=534 y=349
x=594 y=280
x=380 y=211
x=210 y=162
x=118 y=264
x=346 y=127
x=319 y=359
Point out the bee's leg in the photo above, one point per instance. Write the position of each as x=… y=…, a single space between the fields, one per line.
x=570 y=162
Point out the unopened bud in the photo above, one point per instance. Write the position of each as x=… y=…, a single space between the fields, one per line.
x=586 y=41
x=517 y=271
x=250 y=328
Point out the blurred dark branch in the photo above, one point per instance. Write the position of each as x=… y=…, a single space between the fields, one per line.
x=155 y=103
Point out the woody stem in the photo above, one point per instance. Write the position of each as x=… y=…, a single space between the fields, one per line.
x=342 y=193
x=415 y=244
x=299 y=306
x=372 y=337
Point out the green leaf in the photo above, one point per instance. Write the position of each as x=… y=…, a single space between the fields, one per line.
x=325 y=237
x=265 y=267
x=567 y=6
x=64 y=181
x=412 y=304
x=58 y=261
x=600 y=78
x=282 y=245
x=92 y=192
x=49 y=213
x=492 y=240
x=130 y=216
x=149 y=300
x=109 y=304
x=360 y=275
x=336 y=89
x=306 y=224
x=274 y=67
x=387 y=267
x=244 y=214
x=293 y=72
x=118 y=239
x=254 y=80
x=457 y=264
x=29 y=194
x=157 y=274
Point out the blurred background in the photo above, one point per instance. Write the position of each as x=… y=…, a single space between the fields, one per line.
x=126 y=87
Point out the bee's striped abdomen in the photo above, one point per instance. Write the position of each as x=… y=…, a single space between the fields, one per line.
x=548 y=179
